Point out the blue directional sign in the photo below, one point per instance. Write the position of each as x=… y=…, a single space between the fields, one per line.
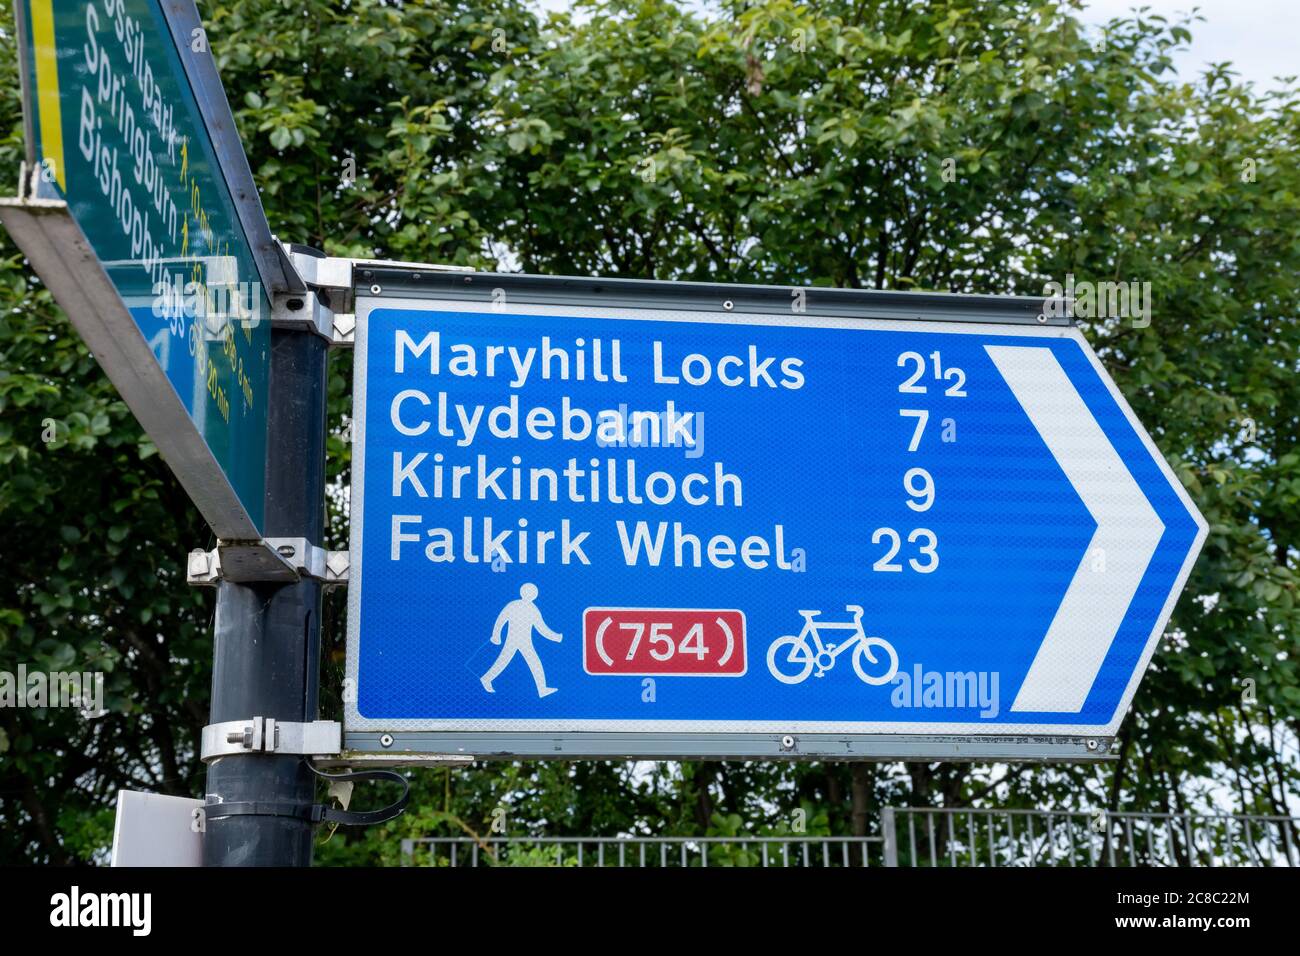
x=574 y=520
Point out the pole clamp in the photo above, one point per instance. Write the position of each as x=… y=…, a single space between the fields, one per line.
x=332 y=281
x=306 y=311
x=266 y=735
x=318 y=813
x=329 y=277
x=268 y=559
x=322 y=304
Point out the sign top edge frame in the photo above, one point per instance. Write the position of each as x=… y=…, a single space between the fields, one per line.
x=373 y=281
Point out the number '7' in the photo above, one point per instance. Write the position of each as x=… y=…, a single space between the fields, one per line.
x=922 y=416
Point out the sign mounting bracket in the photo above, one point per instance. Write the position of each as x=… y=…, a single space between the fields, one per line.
x=267 y=559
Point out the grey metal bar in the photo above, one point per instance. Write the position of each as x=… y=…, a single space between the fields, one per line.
x=405 y=281
x=889 y=833
x=501 y=745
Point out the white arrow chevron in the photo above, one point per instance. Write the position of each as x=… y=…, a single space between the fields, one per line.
x=1112 y=566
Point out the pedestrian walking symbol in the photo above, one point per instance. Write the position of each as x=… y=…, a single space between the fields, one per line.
x=519 y=618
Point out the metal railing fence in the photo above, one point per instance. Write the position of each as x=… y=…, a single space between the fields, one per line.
x=745 y=851
x=914 y=836
x=931 y=836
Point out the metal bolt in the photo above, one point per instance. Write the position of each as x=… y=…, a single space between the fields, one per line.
x=728 y=305
x=787 y=742
x=386 y=740
x=1042 y=317
x=285 y=550
x=376 y=289
x=1092 y=744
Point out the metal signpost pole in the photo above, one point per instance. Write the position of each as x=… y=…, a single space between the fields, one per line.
x=267 y=643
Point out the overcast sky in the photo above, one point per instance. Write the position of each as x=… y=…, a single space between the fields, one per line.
x=1260 y=37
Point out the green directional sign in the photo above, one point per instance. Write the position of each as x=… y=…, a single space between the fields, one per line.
x=131 y=138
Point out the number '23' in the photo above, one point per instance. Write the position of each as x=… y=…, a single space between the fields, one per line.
x=927 y=546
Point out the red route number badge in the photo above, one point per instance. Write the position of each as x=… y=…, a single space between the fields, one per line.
x=664 y=642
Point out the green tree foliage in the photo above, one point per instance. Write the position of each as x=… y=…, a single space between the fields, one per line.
x=950 y=145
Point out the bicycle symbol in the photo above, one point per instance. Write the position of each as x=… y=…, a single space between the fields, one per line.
x=799 y=655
